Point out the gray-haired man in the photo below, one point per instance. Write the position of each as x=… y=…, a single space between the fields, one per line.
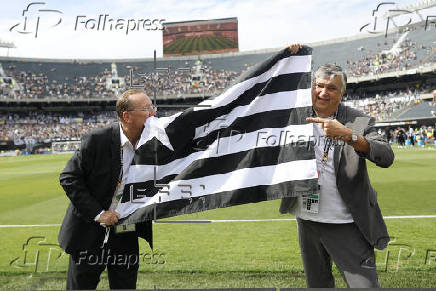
x=343 y=222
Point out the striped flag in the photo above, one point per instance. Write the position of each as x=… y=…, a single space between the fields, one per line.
x=249 y=144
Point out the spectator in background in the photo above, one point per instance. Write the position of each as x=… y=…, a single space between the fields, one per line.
x=411 y=136
x=401 y=137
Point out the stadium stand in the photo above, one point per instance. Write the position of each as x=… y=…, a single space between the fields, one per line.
x=39 y=79
x=42 y=101
x=86 y=79
x=420 y=110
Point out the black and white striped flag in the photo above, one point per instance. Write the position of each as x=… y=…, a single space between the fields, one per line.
x=249 y=145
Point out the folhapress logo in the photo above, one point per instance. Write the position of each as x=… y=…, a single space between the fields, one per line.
x=106 y=23
x=34 y=17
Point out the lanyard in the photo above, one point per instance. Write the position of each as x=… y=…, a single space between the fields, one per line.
x=120 y=177
x=327 y=145
x=328 y=142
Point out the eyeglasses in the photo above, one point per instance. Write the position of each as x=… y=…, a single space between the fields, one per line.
x=147 y=109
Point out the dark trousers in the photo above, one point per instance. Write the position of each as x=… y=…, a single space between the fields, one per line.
x=320 y=243
x=120 y=256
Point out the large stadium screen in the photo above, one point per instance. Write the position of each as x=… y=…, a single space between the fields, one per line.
x=200 y=37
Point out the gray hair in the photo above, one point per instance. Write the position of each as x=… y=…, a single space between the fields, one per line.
x=329 y=71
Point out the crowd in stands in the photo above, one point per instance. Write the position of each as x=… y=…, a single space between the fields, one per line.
x=379 y=61
x=44 y=127
x=37 y=86
x=412 y=136
x=37 y=127
x=200 y=77
x=382 y=106
x=203 y=80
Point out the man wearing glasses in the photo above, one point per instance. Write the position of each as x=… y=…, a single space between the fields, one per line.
x=342 y=222
x=93 y=180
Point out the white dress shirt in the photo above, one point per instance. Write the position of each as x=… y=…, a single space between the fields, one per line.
x=127 y=154
x=332 y=208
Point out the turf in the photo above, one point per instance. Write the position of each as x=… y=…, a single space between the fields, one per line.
x=215 y=255
x=199 y=43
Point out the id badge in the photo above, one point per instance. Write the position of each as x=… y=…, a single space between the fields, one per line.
x=125 y=228
x=310 y=203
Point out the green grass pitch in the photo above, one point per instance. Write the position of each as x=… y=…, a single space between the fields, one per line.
x=199 y=43
x=215 y=255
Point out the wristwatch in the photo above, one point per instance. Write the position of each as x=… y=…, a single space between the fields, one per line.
x=353 y=138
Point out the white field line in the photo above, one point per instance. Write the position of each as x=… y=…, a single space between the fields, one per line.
x=217 y=221
x=26 y=225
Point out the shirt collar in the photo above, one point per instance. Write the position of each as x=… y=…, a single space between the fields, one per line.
x=123 y=137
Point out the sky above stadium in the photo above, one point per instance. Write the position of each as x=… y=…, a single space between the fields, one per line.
x=68 y=29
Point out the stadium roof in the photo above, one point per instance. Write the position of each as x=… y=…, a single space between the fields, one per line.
x=209 y=21
x=415 y=7
x=360 y=36
x=6 y=44
x=193 y=57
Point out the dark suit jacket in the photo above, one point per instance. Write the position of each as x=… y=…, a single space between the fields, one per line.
x=89 y=180
x=352 y=178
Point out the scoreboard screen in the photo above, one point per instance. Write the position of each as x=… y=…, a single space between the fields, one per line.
x=200 y=37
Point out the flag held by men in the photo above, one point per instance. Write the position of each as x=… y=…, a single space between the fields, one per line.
x=249 y=144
